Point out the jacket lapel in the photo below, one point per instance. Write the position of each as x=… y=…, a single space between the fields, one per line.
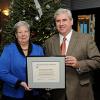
x=56 y=44
x=72 y=43
x=71 y=47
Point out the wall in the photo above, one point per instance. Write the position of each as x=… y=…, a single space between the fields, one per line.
x=84 y=4
x=81 y=4
x=67 y=3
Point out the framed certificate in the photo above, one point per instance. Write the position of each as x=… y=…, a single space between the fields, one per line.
x=46 y=72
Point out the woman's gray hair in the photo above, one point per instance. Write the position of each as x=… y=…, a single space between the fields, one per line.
x=19 y=24
x=61 y=11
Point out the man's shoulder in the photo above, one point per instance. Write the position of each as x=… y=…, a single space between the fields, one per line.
x=83 y=35
x=36 y=46
x=86 y=36
x=52 y=37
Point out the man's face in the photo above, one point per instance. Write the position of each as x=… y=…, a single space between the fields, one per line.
x=63 y=23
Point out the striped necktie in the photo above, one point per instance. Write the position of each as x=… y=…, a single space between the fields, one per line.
x=63 y=46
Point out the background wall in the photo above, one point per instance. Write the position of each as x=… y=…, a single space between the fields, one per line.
x=81 y=4
x=67 y=3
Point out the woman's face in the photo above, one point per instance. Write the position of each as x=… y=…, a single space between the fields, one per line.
x=23 y=35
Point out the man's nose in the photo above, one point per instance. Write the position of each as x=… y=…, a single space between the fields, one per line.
x=61 y=22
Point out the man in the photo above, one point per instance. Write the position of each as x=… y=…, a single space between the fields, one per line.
x=81 y=57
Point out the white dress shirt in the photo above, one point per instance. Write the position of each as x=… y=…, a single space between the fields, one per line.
x=68 y=37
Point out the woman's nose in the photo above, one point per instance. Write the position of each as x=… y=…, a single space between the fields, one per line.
x=23 y=33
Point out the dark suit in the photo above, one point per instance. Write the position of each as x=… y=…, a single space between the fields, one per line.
x=78 y=82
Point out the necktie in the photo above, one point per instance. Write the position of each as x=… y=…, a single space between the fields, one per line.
x=63 y=46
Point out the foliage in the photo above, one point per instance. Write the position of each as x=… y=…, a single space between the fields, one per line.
x=41 y=27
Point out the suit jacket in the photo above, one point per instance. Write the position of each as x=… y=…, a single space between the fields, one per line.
x=78 y=81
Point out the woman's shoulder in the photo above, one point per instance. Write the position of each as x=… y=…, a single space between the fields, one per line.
x=34 y=45
x=9 y=46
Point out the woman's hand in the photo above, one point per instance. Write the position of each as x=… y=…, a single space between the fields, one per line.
x=25 y=86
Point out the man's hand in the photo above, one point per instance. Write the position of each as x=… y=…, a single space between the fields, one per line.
x=71 y=61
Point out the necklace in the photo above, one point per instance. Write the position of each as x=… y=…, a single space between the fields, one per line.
x=24 y=49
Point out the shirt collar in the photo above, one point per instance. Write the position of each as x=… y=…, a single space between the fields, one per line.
x=68 y=36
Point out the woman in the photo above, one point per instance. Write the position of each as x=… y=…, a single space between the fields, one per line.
x=13 y=64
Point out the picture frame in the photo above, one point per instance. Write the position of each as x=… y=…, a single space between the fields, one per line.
x=46 y=72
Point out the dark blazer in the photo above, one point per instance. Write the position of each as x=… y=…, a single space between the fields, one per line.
x=78 y=81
